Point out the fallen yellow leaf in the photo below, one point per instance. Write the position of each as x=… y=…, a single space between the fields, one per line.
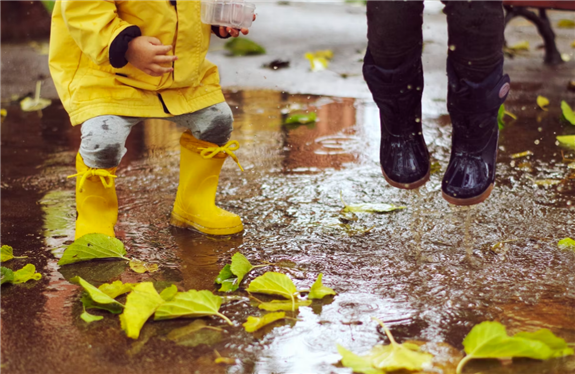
x=542 y=101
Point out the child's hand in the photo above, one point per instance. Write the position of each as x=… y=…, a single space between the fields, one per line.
x=225 y=31
x=149 y=54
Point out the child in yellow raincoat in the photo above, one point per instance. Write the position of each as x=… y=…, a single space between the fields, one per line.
x=117 y=63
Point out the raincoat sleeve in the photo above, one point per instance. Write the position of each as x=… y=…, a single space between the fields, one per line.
x=93 y=25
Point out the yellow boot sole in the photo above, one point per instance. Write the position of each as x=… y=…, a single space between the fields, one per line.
x=179 y=221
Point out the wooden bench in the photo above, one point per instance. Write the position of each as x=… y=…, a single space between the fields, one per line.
x=517 y=8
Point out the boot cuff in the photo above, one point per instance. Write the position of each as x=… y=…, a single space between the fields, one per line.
x=191 y=143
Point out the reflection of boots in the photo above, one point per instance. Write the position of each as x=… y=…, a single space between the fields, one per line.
x=403 y=154
x=473 y=108
x=96 y=201
x=195 y=206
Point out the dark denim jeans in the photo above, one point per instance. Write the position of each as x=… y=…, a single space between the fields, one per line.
x=475 y=30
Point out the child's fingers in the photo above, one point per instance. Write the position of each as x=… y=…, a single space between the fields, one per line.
x=162 y=49
x=223 y=32
x=157 y=70
x=233 y=32
x=154 y=41
x=162 y=59
x=245 y=31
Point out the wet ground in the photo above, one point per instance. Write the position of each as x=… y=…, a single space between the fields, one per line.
x=411 y=270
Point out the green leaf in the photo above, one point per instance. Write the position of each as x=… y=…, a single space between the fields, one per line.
x=566 y=243
x=196 y=333
x=7 y=275
x=25 y=274
x=116 y=288
x=276 y=305
x=95 y=294
x=256 y=323
x=168 y=293
x=229 y=285
x=93 y=246
x=302 y=118
x=359 y=364
x=542 y=101
x=244 y=47
x=89 y=318
x=490 y=340
x=500 y=116
x=558 y=346
x=240 y=266
x=225 y=273
x=368 y=207
x=318 y=290
x=141 y=303
x=274 y=284
x=568 y=113
x=567 y=140
x=520 y=46
x=49 y=5
x=142 y=267
x=191 y=304
x=6 y=253
x=88 y=303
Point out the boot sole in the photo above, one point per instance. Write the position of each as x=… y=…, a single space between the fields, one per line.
x=181 y=222
x=469 y=201
x=406 y=186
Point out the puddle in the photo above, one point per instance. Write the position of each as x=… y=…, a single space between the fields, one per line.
x=412 y=270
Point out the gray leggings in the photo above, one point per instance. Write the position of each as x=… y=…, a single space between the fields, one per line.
x=104 y=137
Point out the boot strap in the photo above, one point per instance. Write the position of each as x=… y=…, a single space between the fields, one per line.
x=228 y=148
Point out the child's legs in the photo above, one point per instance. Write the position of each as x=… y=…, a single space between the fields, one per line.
x=104 y=139
x=394 y=31
x=475 y=37
x=213 y=124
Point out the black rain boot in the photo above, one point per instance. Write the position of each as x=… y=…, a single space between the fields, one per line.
x=473 y=108
x=403 y=154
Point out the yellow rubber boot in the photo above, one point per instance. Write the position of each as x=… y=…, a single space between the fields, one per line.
x=195 y=205
x=96 y=200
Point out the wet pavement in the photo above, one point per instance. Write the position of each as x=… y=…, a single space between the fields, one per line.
x=411 y=270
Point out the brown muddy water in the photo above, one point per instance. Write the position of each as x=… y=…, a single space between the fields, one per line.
x=411 y=270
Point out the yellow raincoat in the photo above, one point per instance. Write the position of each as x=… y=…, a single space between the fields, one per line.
x=81 y=35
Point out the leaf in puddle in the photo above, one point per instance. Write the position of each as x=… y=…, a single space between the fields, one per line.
x=89 y=318
x=96 y=295
x=490 y=340
x=567 y=140
x=142 y=267
x=33 y=104
x=28 y=272
x=319 y=60
x=168 y=293
x=520 y=46
x=141 y=304
x=276 y=305
x=191 y=304
x=359 y=364
x=244 y=47
x=6 y=253
x=368 y=207
x=521 y=154
x=225 y=273
x=558 y=346
x=547 y=182
x=88 y=303
x=196 y=333
x=240 y=266
x=93 y=246
x=116 y=288
x=568 y=113
x=385 y=358
x=229 y=285
x=318 y=290
x=566 y=243
x=256 y=323
x=501 y=116
x=542 y=101
x=302 y=118
x=566 y=24
x=435 y=168
x=7 y=275
x=272 y=283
